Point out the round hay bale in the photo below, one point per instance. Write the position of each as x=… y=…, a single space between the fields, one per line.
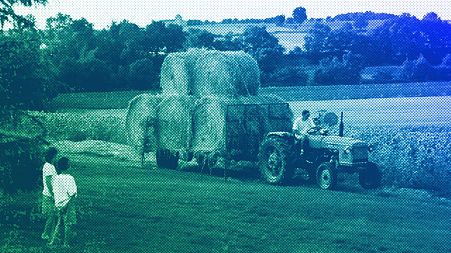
x=214 y=73
x=139 y=123
x=177 y=75
x=209 y=124
x=175 y=122
x=248 y=73
x=326 y=118
x=174 y=76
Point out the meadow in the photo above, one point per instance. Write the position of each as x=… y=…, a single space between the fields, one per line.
x=123 y=208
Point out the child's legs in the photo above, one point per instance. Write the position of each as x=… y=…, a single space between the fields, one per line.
x=48 y=209
x=49 y=225
x=67 y=234
x=57 y=230
x=69 y=219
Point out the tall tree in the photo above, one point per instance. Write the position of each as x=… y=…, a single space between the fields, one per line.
x=299 y=15
x=7 y=13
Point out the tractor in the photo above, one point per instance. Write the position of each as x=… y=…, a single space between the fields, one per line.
x=323 y=158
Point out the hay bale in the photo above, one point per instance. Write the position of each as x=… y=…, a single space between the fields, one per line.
x=214 y=73
x=174 y=77
x=248 y=73
x=203 y=72
x=209 y=124
x=175 y=122
x=226 y=73
x=177 y=72
x=139 y=123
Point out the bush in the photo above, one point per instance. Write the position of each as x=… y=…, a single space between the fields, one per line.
x=288 y=76
x=21 y=163
x=335 y=72
x=76 y=127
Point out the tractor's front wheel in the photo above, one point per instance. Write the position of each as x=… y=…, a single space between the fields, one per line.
x=167 y=159
x=273 y=159
x=326 y=176
x=370 y=177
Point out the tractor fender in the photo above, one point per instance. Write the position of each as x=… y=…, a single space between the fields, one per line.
x=283 y=135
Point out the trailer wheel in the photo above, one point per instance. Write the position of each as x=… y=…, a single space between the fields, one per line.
x=370 y=177
x=326 y=177
x=167 y=159
x=273 y=160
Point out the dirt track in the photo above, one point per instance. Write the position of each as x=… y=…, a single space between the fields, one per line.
x=124 y=208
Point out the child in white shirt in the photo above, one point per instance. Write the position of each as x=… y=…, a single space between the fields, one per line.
x=48 y=205
x=65 y=193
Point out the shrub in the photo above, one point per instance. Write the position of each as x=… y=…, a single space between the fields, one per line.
x=21 y=163
x=76 y=127
x=336 y=72
x=289 y=76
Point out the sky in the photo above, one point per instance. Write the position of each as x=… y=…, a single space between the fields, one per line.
x=143 y=12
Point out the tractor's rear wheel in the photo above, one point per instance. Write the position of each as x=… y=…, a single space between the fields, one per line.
x=370 y=177
x=167 y=159
x=274 y=163
x=326 y=176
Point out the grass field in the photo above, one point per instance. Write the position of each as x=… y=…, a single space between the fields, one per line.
x=118 y=100
x=123 y=208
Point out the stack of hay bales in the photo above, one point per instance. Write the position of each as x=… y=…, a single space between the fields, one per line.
x=209 y=103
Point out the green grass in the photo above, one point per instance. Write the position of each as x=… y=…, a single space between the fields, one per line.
x=123 y=208
x=120 y=99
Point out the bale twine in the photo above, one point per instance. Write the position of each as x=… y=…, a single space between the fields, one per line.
x=140 y=122
x=175 y=122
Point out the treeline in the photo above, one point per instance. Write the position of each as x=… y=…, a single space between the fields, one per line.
x=69 y=55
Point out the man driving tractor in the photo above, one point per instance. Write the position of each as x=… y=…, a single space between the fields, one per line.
x=300 y=129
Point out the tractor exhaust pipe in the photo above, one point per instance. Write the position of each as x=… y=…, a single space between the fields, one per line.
x=341 y=126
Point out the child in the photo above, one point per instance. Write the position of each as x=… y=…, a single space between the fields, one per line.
x=65 y=192
x=48 y=205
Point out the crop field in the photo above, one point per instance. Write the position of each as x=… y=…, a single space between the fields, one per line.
x=419 y=111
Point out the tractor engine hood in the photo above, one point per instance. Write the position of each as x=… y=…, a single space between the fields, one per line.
x=335 y=142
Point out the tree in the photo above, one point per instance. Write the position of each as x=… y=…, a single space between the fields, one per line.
x=263 y=46
x=24 y=78
x=300 y=15
x=8 y=15
x=315 y=41
x=199 y=38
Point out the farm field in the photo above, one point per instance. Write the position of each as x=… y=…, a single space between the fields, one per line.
x=123 y=208
x=400 y=111
x=416 y=111
x=119 y=99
